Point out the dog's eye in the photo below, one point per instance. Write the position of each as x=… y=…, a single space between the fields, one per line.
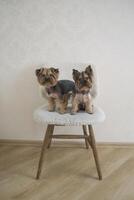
x=52 y=76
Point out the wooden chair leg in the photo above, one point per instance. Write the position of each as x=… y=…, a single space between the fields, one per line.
x=44 y=146
x=94 y=149
x=50 y=138
x=86 y=134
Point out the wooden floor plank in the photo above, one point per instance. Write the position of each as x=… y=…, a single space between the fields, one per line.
x=68 y=173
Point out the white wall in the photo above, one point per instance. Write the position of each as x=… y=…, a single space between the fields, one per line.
x=33 y=32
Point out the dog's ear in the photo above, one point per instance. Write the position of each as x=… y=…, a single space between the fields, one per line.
x=75 y=74
x=55 y=70
x=38 y=71
x=89 y=70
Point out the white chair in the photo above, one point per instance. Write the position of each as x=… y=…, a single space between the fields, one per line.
x=83 y=119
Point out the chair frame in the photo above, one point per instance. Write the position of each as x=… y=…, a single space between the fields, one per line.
x=88 y=135
x=89 y=141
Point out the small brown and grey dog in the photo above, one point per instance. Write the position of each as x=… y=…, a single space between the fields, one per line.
x=57 y=92
x=82 y=99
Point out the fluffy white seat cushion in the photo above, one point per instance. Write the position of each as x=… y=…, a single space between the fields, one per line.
x=81 y=118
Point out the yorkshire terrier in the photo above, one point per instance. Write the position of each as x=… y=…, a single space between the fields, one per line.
x=82 y=98
x=57 y=92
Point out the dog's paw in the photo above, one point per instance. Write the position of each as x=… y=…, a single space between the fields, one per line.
x=89 y=111
x=73 y=113
x=61 y=111
x=51 y=110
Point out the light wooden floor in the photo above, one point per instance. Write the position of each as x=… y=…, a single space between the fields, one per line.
x=68 y=173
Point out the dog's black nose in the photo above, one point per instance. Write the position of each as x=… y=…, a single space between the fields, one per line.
x=82 y=82
x=47 y=78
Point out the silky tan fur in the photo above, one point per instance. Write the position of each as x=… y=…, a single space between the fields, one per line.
x=57 y=92
x=83 y=83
